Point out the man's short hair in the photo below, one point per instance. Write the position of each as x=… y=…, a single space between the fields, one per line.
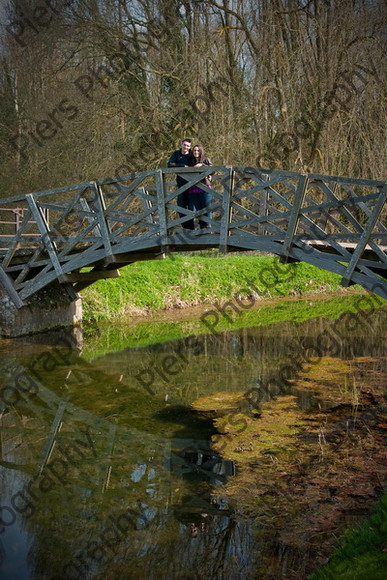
x=188 y=140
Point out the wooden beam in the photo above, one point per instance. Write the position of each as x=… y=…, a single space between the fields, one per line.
x=102 y=221
x=45 y=232
x=91 y=276
x=263 y=195
x=365 y=236
x=163 y=232
x=8 y=284
x=130 y=257
x=295 y=214
x=226 y=208
x=90 y=217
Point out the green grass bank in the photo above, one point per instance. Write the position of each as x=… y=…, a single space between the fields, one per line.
x=361 y=551
x=183 y=280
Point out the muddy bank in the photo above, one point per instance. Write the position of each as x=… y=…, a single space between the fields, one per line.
x=304 y=475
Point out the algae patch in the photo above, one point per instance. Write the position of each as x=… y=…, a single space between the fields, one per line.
x=304 y=475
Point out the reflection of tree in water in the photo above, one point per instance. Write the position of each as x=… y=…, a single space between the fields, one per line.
x=243 y=359
x=209 y=536
x=204 y=470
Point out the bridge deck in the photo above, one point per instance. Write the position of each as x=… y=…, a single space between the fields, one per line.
x=335 y=223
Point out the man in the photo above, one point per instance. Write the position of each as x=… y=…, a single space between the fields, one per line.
x=183 y=158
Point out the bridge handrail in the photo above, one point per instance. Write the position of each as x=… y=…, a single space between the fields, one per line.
x=214 y=168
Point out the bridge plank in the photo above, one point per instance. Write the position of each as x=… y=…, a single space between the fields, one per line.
x=37 y=194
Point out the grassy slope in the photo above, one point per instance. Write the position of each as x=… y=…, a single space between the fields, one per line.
x=183 y=280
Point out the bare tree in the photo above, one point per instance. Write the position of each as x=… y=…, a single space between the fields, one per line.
x=102 y=86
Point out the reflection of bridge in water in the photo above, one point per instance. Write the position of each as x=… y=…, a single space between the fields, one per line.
x=335 y=223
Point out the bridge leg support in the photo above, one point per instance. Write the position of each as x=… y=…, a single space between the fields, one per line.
x=287 y=260
x=50 y=308
x=346 y=283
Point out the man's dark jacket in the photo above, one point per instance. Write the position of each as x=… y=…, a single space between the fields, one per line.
x=177 y=159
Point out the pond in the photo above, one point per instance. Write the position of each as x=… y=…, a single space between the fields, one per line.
x=163 y=450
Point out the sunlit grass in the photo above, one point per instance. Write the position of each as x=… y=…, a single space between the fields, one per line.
x=185 y=280
x=360 y=554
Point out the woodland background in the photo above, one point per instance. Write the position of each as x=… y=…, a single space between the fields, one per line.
x=91 y=89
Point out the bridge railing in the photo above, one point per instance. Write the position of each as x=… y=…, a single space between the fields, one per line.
x=336 y=223
x=11 y=220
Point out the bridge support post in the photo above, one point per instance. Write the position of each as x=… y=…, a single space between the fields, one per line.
x=160 y=185
x=7 y=283
x=364 y=238
x=45 y=233
x=228 y=182
x=48 y=309
x=103 y=225
x=294 y=217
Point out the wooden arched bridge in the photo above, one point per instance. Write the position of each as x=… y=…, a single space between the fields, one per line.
x=85 y=232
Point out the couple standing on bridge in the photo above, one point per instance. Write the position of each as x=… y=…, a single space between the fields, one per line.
x=192 y=198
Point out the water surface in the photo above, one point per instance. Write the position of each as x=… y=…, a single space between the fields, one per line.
x=107 y=469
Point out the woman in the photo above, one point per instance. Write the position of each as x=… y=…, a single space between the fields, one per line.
x=199 y=199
